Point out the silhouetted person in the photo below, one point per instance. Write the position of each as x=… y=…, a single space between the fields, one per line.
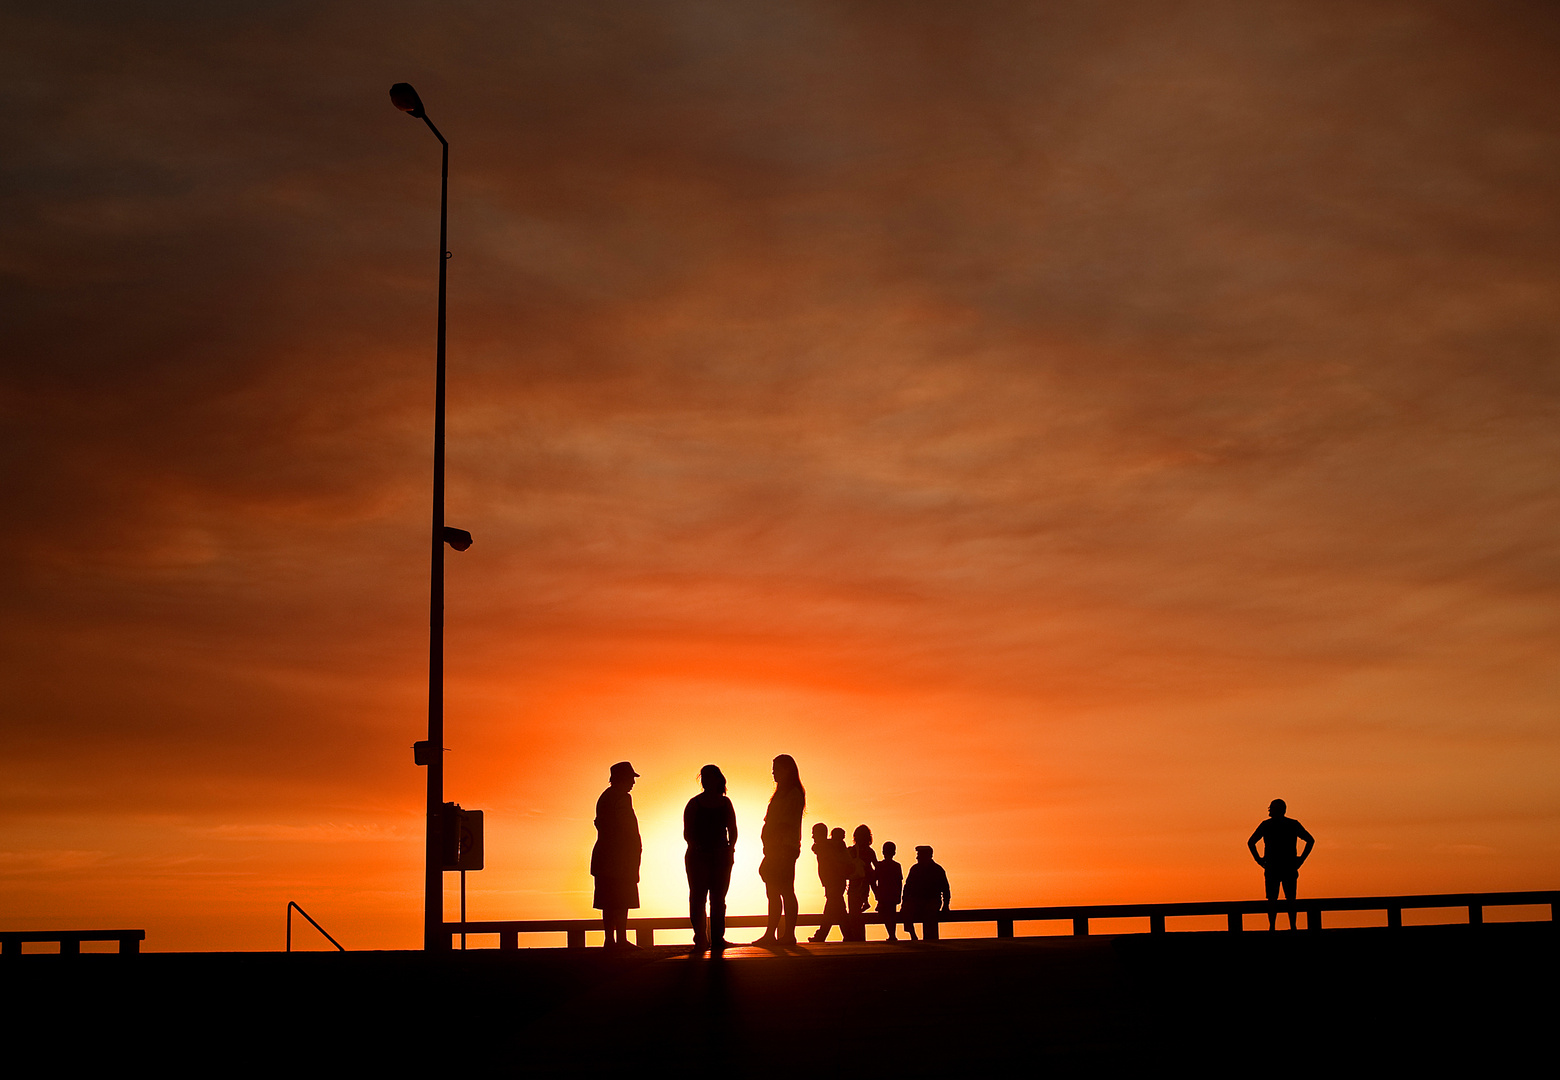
x=863 y=864
x=834 y=873
x=888 y=887
x=1280 y=865
x=858 y=886
x=710 y=827
x=926 y=894
x=614 y=861
x=782 y=840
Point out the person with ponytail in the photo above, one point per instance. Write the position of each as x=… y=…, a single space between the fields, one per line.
x=782 y=840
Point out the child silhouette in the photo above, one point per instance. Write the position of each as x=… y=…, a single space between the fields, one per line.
x=888 y=887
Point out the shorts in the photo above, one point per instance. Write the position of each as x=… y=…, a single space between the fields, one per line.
x=1287 y=879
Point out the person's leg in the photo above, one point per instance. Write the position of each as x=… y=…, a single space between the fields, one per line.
x=788 y=899
x=1289 y=895
x=834 y=914
x=828 y=919
x=1270 y=881
x=615 y=923
x=720 y=881
x=696 y=894
x=890 y=920
x=766 y=871
x=697 y=887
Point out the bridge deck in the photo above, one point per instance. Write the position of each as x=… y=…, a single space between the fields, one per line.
x=1390 y=999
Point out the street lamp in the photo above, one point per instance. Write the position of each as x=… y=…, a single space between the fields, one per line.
x=431 y=754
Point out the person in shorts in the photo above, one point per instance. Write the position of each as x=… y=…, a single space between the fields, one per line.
x=1280 y=865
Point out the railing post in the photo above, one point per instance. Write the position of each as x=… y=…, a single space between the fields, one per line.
x=1080 y=926
x=576 y=938
x=1394 y=917
x=509 y=939
x=644 y=936
x=1475 y=914
x=1313 y=918
x=1236 y=922
x=70 y=946
x=1156 y=924
x=1004 y=928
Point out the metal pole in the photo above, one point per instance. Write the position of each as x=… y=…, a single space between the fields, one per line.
x=463 y=911
x=434 y=939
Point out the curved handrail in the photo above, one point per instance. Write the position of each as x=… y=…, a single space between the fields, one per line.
x=294 y=904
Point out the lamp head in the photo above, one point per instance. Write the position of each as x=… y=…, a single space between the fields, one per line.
x=403 y=97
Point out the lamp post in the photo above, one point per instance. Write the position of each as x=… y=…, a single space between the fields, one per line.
x=405 y=98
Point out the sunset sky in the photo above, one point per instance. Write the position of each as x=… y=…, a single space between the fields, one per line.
x=1063 y=427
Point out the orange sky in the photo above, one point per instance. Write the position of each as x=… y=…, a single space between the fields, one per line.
x=1062 y=427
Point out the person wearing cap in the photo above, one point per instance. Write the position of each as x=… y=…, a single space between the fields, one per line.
x=614 y=861
x=926 y=894
x=1280 y=865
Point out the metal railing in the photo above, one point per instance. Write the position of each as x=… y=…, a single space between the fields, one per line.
x=70 y=940
x=1079 y=916
x=291 y=904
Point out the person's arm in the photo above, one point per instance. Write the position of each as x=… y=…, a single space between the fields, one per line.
x=947 y=893
x=1252 y=844
x=688 y=822
x=731 y=825
x=1310 y=842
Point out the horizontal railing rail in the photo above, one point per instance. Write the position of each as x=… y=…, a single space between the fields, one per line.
x=1080 y=915
x=70 y=940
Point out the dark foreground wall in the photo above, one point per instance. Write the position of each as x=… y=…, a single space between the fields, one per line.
x=1285 y=1002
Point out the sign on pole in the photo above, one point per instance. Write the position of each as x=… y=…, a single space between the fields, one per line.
x=462 y=838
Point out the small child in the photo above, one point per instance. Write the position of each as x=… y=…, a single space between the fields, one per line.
x=833 y=872
x=888 y=887
x=863 y=865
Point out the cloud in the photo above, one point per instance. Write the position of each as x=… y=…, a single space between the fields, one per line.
x=1087 y=368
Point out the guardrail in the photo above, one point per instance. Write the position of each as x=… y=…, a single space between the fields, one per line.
x=1080 y=916
x=70 y=940
x=293 y=905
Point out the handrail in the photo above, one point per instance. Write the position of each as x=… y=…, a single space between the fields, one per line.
x=294 y=904
x=1080 y=915
x=70 y=940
